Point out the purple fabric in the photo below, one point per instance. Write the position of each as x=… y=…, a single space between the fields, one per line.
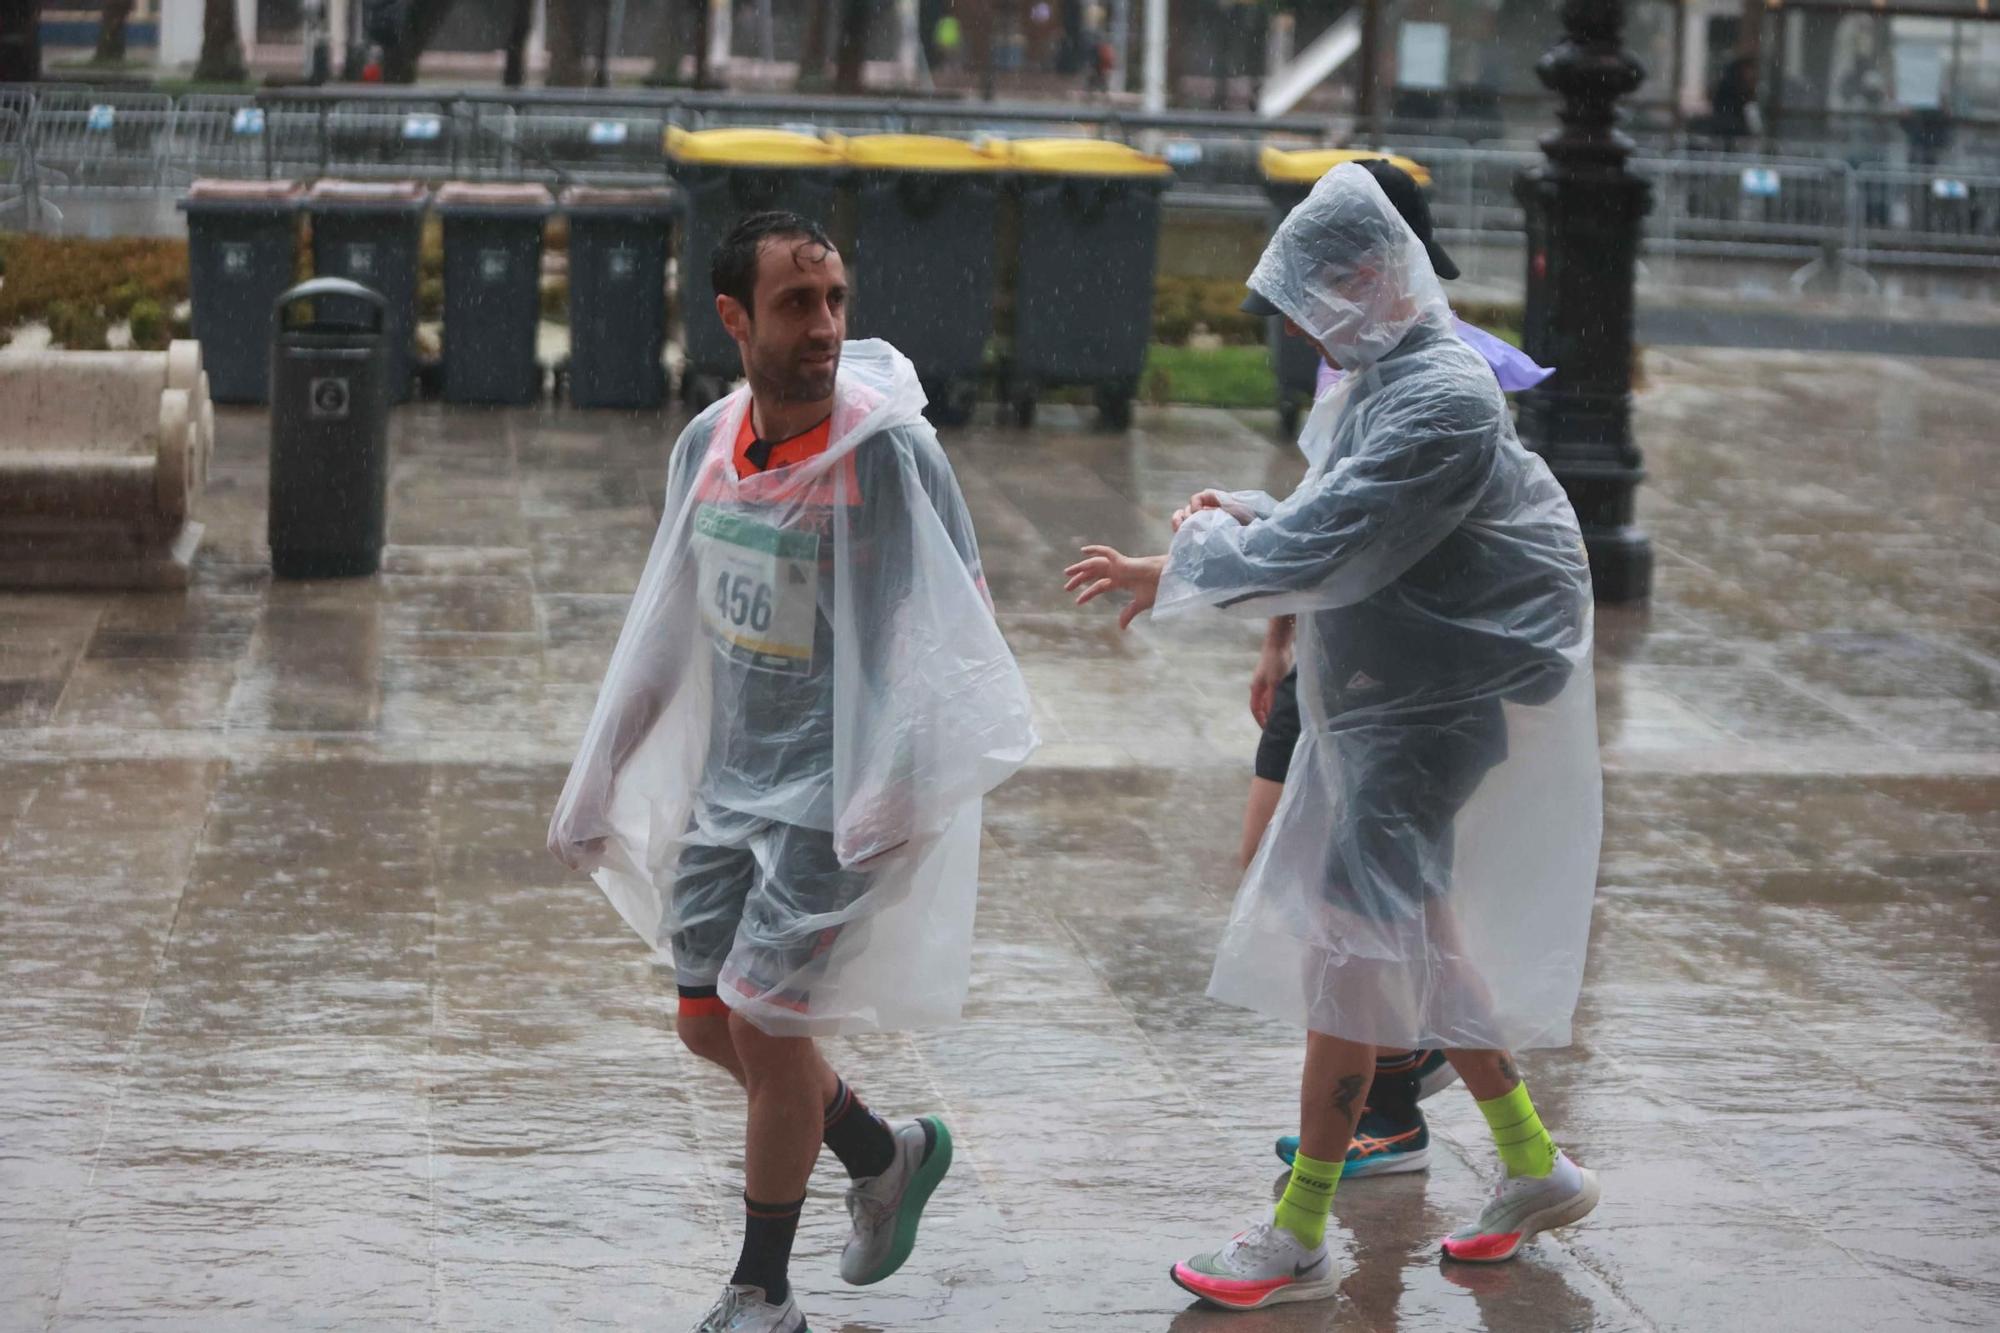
x=1515 y=369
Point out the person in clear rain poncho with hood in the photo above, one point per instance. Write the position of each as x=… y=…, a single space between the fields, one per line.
x=1427 y=879
x=780 y=787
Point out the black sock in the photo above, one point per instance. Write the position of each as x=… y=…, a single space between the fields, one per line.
x=1393 y=1094
x=857 y=1135
x=768 y=1229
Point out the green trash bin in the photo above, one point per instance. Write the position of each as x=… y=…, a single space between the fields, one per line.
x=242 y=252
x=923 y=258
x=492 y=291
x=1088 y=245
x=618 y=295
x=329 y=430
x=371 y=232
x=1289 y=175
x=727 y=174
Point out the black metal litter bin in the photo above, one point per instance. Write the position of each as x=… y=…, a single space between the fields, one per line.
x=492 y=291
x=1083 y=282
x=371 y=233
x=727 y=174
x=618 y=295
x=329 y=431
x=1289 y=176
x=242 y=251
x=924 y=248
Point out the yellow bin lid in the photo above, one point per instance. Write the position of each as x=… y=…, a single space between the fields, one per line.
x=752 y=148
x=1083 y=157
x=921 y=152
x=1304 y=166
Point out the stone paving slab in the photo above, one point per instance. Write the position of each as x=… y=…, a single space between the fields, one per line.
x=300 y=1028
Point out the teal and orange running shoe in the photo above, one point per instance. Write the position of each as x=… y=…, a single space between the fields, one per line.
x=1380 y=1148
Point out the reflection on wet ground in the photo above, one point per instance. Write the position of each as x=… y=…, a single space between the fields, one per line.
x=300 y=1028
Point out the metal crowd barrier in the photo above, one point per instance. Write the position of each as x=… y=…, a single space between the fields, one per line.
x=67 y=138
x=1925 y=218
x=13 y=160
x=1734 y=205
x=98 y=140
x=417 y=137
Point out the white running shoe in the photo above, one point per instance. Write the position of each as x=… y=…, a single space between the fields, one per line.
x=1522 y=1208
x=887 y=1208
x=1264 y=1265
x=743 y=1309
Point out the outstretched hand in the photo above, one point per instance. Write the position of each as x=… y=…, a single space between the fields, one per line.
x=1103 y=570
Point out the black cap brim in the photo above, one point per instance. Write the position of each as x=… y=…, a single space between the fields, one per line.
x=1254 y=304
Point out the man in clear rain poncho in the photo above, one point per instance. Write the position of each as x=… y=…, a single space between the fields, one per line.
x=1427 y=879
x=781 y=783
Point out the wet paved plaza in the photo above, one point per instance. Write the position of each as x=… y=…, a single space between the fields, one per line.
x=300 y=1027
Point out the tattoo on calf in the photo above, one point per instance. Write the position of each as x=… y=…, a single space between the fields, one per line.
x=1507 y=1070
x=1347 y=1097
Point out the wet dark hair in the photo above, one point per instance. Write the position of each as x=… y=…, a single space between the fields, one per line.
x=732 y=270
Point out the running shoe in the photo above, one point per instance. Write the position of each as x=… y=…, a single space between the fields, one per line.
x=1380 y=1148
x=887 y=1208
x=1265 y=1265
x=1522 y=1208
x=743 y=1309
x=1434 y=1075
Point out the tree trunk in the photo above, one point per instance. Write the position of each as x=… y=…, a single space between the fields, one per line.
x=568 y=23
x=855 y=19
x=221 y=45
x=520 y=26
x=399 y=62
x=979 y=42
x=812 y=54
x=683 y=31
x=111 y=32
x=667 y=47
x=20 y=41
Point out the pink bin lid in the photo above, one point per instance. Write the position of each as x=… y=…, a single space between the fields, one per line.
x=249 y=192
x=464 y=194
x=597 y=196
x=369 y=192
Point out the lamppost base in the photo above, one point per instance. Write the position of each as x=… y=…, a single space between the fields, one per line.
x=1621 y=564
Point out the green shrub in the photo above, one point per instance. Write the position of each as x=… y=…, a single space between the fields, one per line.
x=180 y=325
x=430 y=249
x=1181 y=305
x=555 y=300
x=79 y=327
x=89 y=275
x=119 y=301
x=430 y=298
x=150 y=331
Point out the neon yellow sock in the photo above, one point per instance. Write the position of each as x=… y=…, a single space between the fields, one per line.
x=1525 y=1147
x=1308 y=1199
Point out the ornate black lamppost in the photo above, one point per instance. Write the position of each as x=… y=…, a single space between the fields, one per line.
x=1584 y=209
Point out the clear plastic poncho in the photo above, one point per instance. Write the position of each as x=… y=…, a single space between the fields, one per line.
x=811 y=646
x=1427 y=879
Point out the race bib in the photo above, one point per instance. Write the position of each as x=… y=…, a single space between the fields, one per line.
x=760 y=589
